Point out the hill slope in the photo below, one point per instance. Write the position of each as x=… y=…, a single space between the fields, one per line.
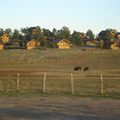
x=55 y=59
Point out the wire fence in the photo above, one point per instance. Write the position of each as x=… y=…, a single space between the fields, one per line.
x=70 y=83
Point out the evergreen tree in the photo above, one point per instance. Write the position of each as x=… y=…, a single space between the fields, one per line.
x=76 y=39
x=90 y=34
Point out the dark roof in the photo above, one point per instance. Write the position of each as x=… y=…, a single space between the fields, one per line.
x=57 y=40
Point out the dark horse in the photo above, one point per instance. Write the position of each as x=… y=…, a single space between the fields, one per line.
x=86 y=69
x=76 y=68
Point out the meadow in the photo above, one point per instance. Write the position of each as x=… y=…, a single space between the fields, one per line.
x=58 y=66
x=55 y=59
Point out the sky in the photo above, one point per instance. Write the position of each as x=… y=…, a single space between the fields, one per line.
x=79 y=15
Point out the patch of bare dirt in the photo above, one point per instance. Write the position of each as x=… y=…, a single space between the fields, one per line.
x=59 y=108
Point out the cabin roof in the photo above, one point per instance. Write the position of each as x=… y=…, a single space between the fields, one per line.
x=60 y=39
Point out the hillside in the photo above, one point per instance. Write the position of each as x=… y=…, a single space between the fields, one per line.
x=55 y=59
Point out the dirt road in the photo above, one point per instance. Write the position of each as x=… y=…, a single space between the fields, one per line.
x=59 y=108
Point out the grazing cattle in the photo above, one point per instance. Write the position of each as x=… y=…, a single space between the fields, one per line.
x=86 y=69
x=77 y=68
x=84 y=49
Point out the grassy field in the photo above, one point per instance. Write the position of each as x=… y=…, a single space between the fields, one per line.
x=61 y=84
x=55 y=59
x=58 y=65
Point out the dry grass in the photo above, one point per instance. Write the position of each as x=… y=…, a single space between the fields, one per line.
x=55 y=83
x=54 y=59
x=58 y=64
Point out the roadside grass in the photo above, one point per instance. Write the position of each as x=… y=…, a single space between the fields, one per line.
x=38 y=94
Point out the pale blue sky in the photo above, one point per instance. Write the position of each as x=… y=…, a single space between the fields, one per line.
x=79 y=15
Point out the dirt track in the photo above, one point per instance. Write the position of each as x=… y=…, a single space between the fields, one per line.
x=59 y=108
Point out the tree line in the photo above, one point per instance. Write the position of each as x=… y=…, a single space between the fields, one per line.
x=48 y=38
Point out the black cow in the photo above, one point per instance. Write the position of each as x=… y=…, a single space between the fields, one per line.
x=76 y=68
x=86 y=69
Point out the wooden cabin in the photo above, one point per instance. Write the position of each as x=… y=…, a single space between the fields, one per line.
x=114 y=46
x=32 y=44
x=1 y=47
x=113 y=33
x=82 y=35
x=5 y=38
x=91 y=43
x=63 y=44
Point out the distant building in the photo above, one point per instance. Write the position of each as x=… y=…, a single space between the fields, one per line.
x=5 y=38
x=91 y=43
x=32 y=44
x=115 y=45
x=63 y=44
x=1 y=46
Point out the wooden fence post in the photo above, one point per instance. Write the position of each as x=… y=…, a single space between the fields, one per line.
x=72 y=84
x=44 y=82
x=101 y=89
x=18 y=82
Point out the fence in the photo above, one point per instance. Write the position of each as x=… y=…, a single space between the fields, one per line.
x=71 y=83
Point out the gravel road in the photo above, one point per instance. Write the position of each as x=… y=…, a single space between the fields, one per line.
x=59 y=108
